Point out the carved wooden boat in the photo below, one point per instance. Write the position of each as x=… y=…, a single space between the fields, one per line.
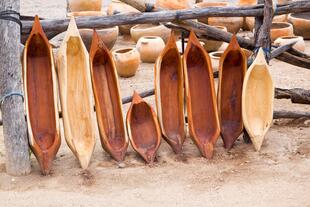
x=75 y=95
x=40 y=86
x=257 y=100
x=169 y=95
x=107 y=100
x=202 y=112
x=143 y=128
x=233 y=65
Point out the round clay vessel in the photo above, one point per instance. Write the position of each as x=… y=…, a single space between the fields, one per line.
x=250 y=21
x=149 y=48
x=85 y=5
x=142 y=30
x=300 y=44
x=174 y=4
x=233 y=24
x=179 y=44
x=116 y=7
x=107 y=35
x=215 y=59
x=301 y=23
x=279 y=29
x=213 y=45
x=86 y=13
x=127 y=61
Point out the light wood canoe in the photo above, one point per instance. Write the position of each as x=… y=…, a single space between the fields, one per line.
x=232 y=68
x=143 y=128
x=75 y=95
x=40 y=87
x=107 y=100
x=169 y=94
x=202 y=111
x=257 y=100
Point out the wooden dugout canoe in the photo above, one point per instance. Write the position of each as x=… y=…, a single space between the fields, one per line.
x=169 y=94
x=40 y=87
x=202 y=112
x=75 y=95
x=107 y=100
x=143 y=128
x=233 y=65
x=257 y=100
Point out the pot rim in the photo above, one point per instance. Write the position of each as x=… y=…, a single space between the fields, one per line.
x=291 y=15
x=289 y=37
x=287 y=25
x=152 y=26
x=214 y=54
x=84 y=13
x=100 y=29
x=211 y=4
x=125 y=49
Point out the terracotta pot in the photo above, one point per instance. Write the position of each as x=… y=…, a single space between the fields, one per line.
x=213 y=45
x=121 y=8
x=179 y=44
x=149 y=48
x=300 y=45
x=247 y=2
x=107 y=35
x=85 y=5
x=174 y=4
x=233 y=24
x=127 y=61
x=301 y=23
x=279 y=29
x=86 y=13
x=142 y=30
x=215 y=59
x=250 y=21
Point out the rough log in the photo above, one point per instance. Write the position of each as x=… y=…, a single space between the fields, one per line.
x=14 y=125
x=290 y=115
x=297 y=95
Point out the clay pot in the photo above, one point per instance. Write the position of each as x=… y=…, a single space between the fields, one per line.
x=85 y=5
x=149 y=48
x=142 y=30
x=301 y=23
x=250 y=21
x=233 y=24
x=174 y=4
x=127 y=61
x=247 y=2
x=179 y=44
x=213 y=45
x=86 y=13
x=116 y=7
x=107 y=35
x=279 y=29
x=300 y=45
x=215 y=59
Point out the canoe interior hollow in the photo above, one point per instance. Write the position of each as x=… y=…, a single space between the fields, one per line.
x=40 y=92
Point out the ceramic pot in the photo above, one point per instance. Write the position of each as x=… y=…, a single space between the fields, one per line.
x=85 y=5
x=279 y=29
x=215 y=59
x=213 y=45
x=300 y=44
x=127 y=61
x=116 y=7
x=179 y=44
x=247 y=2
x=301 y=23
x=233 y=24
x=86 y=13
x=174 y=4
x=107 y=35
x=142 y=30
x=250 y=21
x=149 y=48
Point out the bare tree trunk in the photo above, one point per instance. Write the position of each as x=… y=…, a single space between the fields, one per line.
x=14 y=125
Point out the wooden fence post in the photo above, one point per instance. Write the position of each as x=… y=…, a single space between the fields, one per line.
x=14 y=124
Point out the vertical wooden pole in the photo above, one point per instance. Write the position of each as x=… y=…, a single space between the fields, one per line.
x=14 y=125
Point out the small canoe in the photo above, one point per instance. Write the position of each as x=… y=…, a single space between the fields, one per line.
x=40 y=86
x=257 y=100
x=107 y=100
x=232 y=68
x=75 y=95
x=169 y=94
x=202 y=111
x=143 y=128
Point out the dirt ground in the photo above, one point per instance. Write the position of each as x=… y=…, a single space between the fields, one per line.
x=279 y=175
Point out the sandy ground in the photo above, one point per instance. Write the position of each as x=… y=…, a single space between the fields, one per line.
x=279 y=175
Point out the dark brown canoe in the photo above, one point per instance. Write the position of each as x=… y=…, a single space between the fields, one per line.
x=107 y=100
x=169 y=94
x=143 y=128
x=202 y=112
x=41 y=97
x=232 y=68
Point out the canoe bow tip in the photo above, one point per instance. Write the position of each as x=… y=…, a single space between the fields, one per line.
x=84 y=161
x=208 y=150
x=136 y=98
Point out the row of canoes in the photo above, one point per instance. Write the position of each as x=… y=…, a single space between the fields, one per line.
x=243 y=98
